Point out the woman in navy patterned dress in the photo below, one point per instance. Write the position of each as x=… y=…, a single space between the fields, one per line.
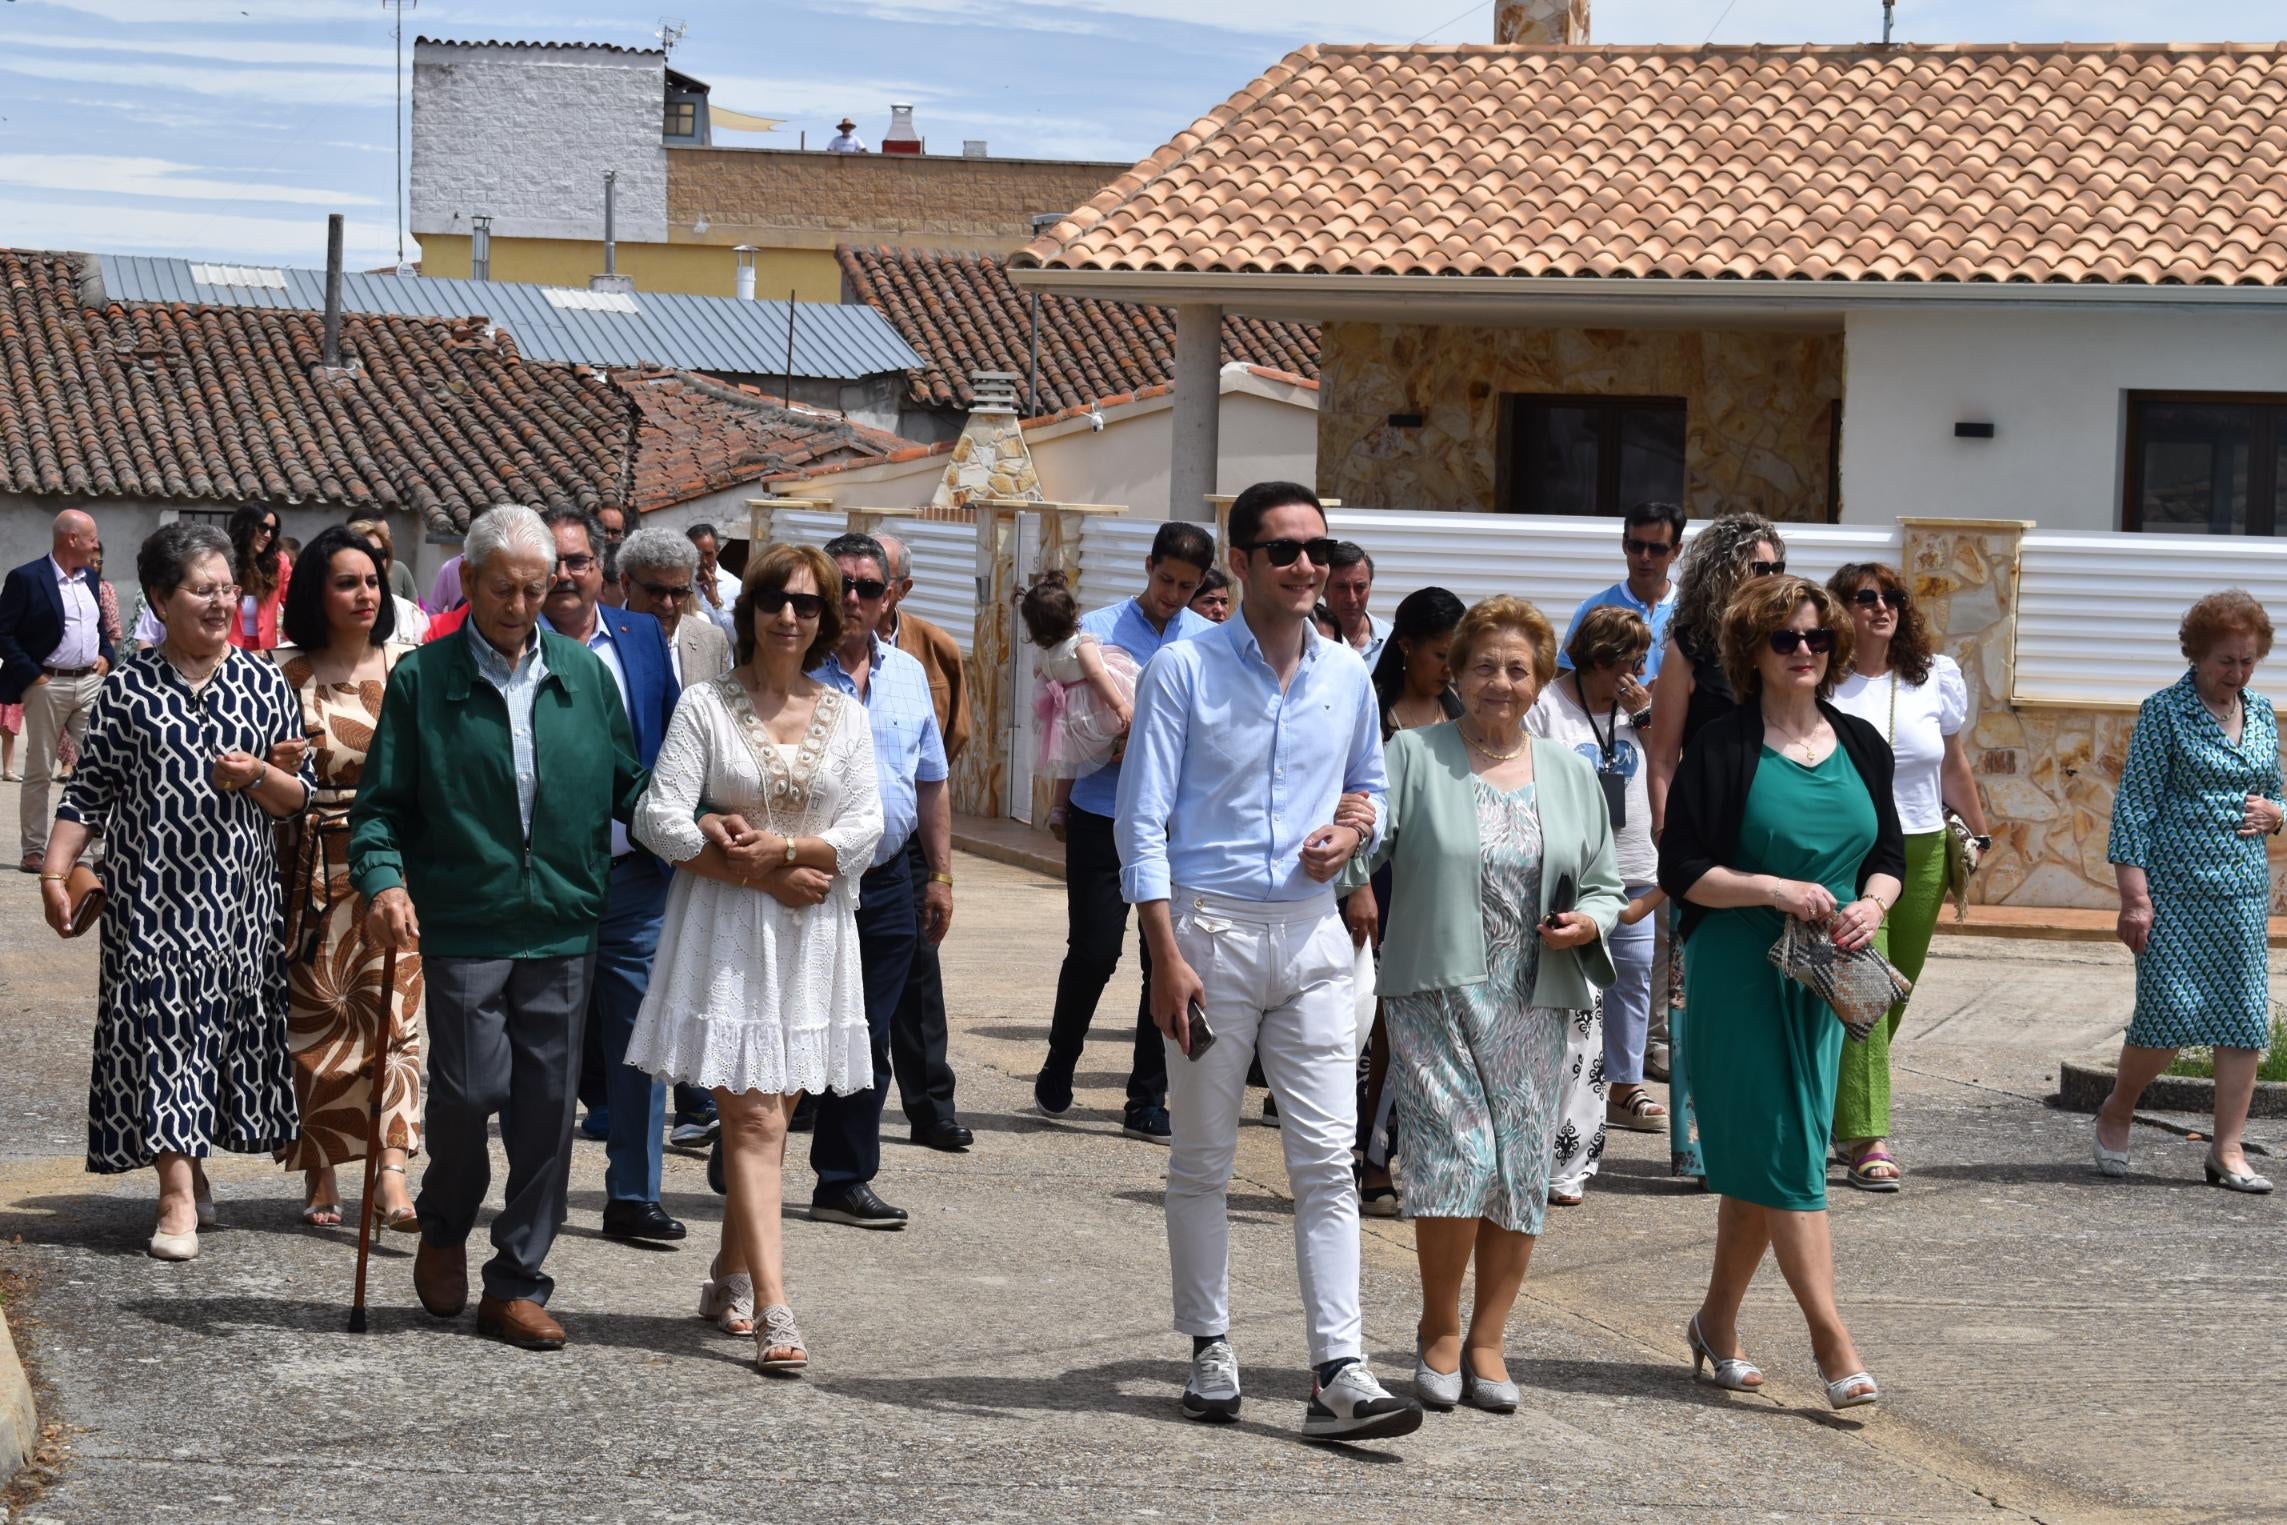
x=2198 y=795
x=190 y=1040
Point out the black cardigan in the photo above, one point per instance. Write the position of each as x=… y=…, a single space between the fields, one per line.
x=1708 y=800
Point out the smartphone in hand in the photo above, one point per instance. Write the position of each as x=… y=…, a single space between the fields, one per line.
x=1201 y=1035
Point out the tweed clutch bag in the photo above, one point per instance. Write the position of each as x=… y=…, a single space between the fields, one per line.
x=1859 y=988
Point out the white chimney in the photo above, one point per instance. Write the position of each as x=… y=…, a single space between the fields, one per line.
x=746 y=253
x=901 y=138
x=1540 y=21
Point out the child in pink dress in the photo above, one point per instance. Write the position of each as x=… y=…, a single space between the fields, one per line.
x=1084 y=691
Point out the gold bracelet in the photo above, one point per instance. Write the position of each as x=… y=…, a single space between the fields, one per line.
x=944 y=879
x=53 y=878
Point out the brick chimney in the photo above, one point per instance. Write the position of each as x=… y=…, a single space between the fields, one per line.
x=1540 y=21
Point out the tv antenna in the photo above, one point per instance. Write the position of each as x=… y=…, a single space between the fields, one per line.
x=671 y=30
x=400 y=7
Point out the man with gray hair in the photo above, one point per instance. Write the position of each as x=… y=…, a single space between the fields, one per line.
x=501 y=755
x=658 y=569
x=53 y=657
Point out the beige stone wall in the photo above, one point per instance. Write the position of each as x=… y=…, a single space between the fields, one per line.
x=1758 y=430
x=1540 y=21
x=776 y=198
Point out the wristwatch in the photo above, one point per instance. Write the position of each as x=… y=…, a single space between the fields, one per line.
x=789 y=849
x=1984 y=844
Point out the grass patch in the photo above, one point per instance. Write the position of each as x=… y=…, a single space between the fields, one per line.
x=2201 y=1062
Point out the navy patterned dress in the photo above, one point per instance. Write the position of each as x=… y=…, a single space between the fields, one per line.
x=190 y=1036
x=2204 y=978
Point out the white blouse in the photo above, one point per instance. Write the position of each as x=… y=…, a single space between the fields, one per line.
x=1916 y=718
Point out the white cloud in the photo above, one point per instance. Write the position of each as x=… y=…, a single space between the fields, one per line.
x=193 y=235
x=248 y=50
x=121 y=175
x=205 y=12
x=286 y=87
x=162 y=114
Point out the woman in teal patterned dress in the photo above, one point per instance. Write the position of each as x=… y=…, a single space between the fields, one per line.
x=2198 y=796
x=1484 y=965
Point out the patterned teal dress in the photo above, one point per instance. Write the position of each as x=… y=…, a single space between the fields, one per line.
x=1479 y=1069
x=2204 y=978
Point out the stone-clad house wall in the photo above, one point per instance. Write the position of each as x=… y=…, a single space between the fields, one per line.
x=793 y=199
x=1759 y=423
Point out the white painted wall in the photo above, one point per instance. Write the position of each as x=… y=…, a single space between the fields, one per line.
x=525 y=135
x=2054 y=386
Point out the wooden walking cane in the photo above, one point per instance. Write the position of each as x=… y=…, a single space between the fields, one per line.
x=373 y=1133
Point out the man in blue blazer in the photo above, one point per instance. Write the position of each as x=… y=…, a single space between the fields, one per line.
x=53 y=656
x=634 y=648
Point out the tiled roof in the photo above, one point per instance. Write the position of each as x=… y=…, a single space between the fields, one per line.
x=2050 y=162
x=225 y=405
x=696 y=436
x=963 y=314
x=518 y=42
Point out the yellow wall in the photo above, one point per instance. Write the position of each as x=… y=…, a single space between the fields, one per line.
x=696 y=269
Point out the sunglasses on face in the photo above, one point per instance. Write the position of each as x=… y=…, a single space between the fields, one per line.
x=807 y=606
x=1635 y=547
x=1285 y=553
x=1767 y=568
x=1867 y=598
x=664 y=594
x=866 y=588
x=1787 y=642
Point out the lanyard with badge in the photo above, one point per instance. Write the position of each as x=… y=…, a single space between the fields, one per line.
x=1608 y=771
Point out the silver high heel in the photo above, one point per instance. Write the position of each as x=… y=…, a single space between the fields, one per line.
x=1731 y=1372
x=1838 y=1392
x=2234 y=1180
x=1436 y=1389
x=2109 y=1162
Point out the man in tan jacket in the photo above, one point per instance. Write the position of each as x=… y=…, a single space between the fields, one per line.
x=938 y=653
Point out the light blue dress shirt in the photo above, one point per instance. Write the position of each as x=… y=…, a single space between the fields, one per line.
x=518 y=686
x=1658 y=616
x=1124 y=625
x=1226 y=777
x=908 y=747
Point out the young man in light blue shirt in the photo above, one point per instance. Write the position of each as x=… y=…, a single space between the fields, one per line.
x=1232 y=825
x=1650 y=536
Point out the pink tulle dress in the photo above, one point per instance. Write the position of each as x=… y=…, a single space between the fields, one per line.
x=1077 y=730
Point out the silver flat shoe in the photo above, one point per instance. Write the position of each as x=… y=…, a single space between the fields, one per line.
x=2235 y=1180
x=1493 y=1397
x=2109 y=1162
x=1436 y=1389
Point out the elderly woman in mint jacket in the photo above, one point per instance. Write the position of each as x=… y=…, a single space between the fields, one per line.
x=1504 y=894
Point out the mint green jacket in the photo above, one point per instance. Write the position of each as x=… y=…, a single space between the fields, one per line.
x=1434 y=938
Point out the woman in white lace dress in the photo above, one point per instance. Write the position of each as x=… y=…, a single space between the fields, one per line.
x=764 y=798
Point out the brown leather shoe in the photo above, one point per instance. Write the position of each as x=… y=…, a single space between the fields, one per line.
x=519 y=1321
x=441 y=1278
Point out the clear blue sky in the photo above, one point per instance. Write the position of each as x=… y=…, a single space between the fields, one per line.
x=227 y=129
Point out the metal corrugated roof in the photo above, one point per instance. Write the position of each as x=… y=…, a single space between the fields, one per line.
x=720 y=335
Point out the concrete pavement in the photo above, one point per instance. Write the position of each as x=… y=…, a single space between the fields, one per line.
x=2051 y=1346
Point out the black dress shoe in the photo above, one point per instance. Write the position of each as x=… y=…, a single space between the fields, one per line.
x=856 y=1206
x=948 y=1135
x=640 y=1221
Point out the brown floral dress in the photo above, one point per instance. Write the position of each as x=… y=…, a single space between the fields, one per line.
x=332 y=976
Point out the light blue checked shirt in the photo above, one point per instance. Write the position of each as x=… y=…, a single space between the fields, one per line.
x=518 y=686
x=1124 y=625
x=908 y=747
x=1226 y=777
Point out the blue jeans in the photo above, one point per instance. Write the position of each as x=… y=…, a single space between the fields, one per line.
x=845 y=1148
x=1628 y=1004
x=637 y=1102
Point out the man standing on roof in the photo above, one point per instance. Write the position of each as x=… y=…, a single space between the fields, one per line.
x=846 y=139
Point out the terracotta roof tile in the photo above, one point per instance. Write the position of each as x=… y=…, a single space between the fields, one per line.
x=963 y=314
x=230 y=405
x=2032 y=162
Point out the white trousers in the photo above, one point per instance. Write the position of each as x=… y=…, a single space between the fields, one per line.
x=1278 y=979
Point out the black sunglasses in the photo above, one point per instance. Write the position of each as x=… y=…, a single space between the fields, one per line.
x=665 y=594
x=1867 y=598
x=1767 y=568
x=867 y=588
x=1635 y=547
x=807 y=606
x=1285 y=553
x=1786 y=642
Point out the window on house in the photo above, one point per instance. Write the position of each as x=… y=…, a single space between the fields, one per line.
x=682 y=119
x=1590 y=455
x=2207 y=463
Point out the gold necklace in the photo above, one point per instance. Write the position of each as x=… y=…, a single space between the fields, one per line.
x=1487 y=752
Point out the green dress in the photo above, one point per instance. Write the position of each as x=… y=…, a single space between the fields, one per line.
x=1761 y=1050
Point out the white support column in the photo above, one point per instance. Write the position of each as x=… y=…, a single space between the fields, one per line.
x=1195 y=437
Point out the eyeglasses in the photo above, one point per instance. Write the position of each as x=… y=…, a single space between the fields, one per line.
x=1787 y=642
x=212 y=593
x=1635 y=547
x=1867 y=598
x=578 y=566
x=1767 y=568
x=867 y=588
x=663 y=594
x=1285 y=553
x=807 y=606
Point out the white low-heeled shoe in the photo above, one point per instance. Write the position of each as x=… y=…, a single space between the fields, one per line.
x=1731 y=1372
x=173 y=1246
x=2235 y=1180
x=1436 y=1389
x=2109 y=1162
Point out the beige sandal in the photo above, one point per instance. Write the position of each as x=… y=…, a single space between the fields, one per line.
x=728 y=1301
x=778 y=1342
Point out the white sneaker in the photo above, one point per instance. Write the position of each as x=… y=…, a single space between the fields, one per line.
x=1356 y=1407
x=1212 y=1394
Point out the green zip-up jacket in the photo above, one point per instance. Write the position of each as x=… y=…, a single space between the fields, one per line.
x=436 y=809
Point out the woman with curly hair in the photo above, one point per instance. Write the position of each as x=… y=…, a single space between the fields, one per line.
x=2198 y=795
x=1919 y=701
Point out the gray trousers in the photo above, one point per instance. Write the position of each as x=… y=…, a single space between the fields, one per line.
x=504 y=1036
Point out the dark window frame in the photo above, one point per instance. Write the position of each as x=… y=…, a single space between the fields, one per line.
x=1509 y=492
x=682 y=118
x=2268 y=428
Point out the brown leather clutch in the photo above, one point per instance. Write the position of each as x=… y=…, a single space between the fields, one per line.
x=84 y=893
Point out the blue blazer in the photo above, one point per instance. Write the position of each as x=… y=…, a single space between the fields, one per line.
x=31 y=623
x=652 y=691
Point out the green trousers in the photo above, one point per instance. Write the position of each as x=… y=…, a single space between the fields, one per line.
x=1862 y=1095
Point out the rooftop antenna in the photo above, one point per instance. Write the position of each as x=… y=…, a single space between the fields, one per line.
x=671 y=30
x=399 y=8
x=1889 y=15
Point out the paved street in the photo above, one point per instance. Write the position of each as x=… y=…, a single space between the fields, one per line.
x=2051 y=1346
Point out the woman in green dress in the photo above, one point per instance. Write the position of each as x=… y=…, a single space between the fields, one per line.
x=1782 y=808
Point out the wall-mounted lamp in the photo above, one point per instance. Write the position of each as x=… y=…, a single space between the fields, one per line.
x=1967 y=429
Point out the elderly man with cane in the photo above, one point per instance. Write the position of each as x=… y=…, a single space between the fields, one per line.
x=482 y=828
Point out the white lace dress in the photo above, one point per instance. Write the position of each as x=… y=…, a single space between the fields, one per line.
x=746 y=993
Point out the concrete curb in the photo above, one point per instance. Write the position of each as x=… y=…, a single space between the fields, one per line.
x=2083 y=1088
x=19 y=1419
